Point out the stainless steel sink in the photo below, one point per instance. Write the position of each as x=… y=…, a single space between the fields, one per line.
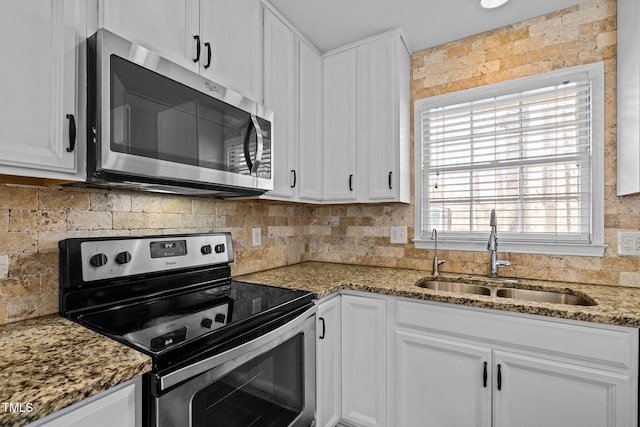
x=543 y=296
x=501 y=292
x=457 y=287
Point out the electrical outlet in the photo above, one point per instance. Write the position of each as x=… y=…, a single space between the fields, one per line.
x=257 y=236
x=628 y=243
x=398 y=234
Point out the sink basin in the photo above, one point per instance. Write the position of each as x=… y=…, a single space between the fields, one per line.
x=504 y=292
x=542 y=296
x=458 y=287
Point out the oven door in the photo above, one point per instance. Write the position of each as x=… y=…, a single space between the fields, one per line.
x=268 y=382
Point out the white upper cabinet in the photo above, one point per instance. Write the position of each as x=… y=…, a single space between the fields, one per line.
x=309 y=172
x=628 y=98
x=281 y=95
x=339 y=126
x=234 y=30
x=167 y=27
x=218 y=38
x=293 y=90
x=39 y=107
x=383 y=127
x=366 y=121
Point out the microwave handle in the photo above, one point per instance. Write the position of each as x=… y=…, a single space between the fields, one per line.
x=253 y=165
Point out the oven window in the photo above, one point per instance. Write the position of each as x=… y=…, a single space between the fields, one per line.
x=267 y=391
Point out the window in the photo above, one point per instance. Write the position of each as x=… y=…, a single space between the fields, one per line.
x=532 y=149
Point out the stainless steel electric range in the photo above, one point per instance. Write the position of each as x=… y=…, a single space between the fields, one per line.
x=224 y=352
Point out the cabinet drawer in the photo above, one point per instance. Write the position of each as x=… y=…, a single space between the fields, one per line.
x=600 y=344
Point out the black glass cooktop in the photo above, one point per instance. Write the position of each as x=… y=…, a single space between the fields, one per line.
x=161 y=324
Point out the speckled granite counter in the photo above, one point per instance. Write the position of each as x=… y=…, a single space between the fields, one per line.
x=52 y=363
x=615 y=305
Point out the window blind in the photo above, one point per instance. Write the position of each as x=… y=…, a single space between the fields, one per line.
x=525 y=154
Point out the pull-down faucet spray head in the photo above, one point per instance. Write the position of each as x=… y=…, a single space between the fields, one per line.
x=492 y=244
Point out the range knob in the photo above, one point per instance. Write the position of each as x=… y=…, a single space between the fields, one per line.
x=220 y=318
x=98 y=260
x=206 y=323
x=206 y=250
x=123 y=258
x=219 y=248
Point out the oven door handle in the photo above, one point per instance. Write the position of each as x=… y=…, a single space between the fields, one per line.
x=273 y=338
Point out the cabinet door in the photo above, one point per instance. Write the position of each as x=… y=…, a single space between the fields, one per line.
x=534 y=392
x=329 y=372
x=309 y=172
x=166 y=27
x=280 y=94
x=38 y=41
x=385 y=149
x=339 y=126
x=232 y=28
x=441 y=383
x=364 y=360
x=120 y=406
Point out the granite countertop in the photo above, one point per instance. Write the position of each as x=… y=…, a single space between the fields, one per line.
x=614 y=305
x=51 y=362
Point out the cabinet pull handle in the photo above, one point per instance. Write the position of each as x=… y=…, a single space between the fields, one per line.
x=295 y=177
x=350 y=182
x=499 y=378
x=484 y=375
x=390 y=180
x=208 y=46
x=197 y=58
x=72 y=133
x=323 y=328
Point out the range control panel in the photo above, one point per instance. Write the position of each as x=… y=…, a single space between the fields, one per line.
x=113 y=258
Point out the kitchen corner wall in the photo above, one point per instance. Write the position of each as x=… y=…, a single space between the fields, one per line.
x=582 y=34
x=34 y=219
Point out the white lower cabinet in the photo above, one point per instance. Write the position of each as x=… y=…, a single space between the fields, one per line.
x=329 y=363
x=535 y=392
x=120 y=406
x=441 y=382
x=364 y=361
x=465 y=367
x=408 y=363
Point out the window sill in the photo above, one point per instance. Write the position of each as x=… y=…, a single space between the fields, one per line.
x=532 y=248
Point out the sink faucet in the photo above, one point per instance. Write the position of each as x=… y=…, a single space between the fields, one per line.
x=436 y=261
x=492 y=246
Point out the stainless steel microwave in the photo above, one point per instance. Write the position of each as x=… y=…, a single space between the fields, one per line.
x=154 y=125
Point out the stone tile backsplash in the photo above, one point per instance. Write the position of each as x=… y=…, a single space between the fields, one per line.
x=34 y=219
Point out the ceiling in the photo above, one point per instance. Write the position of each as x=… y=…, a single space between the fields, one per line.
x=329 y=24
